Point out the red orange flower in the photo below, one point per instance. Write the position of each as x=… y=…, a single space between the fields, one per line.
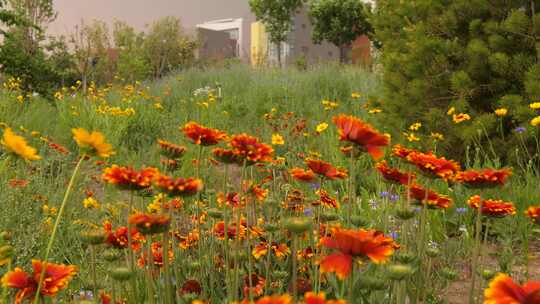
x=179 y=186
x=127 y=178
x=249 y=148
x=226 y=156
x=502 y=290
x=56 y=278
x=326 y=200
x=534 y=214
x=436 y=166
x=119 y=238
x=157 y=255
x=59 y=148
x=283 y=299
x=204 y=136
x=302 y=175
x=370 y=244
x=362 y=134
x=254 y=285
x=429 y=198
x=150 y=223
x=231 y=199
x=191 y=286
x=14 y=183
x=188 y=240
x=483 y=178
x=319 y=298
x=490 y=207
x=325 y=169
x=401 y=152
x=219 y=230
x=171 y=150
x=394 y=175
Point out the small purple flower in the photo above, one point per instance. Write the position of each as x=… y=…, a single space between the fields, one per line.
x=417 y=209
x=394 y=197
x=520 y=129
x=384 y=194
x=308 y=212
x=315 y=186
x=393 y=235
x=461 y=210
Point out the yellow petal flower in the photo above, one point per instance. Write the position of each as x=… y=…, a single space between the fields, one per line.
x=93 y=143
x=321 y=127
x=501 y=112
x=17 y=145
x=535 y=105
x=277 y=140
x=535 y=121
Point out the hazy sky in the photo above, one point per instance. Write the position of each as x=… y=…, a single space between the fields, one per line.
x=141 y=12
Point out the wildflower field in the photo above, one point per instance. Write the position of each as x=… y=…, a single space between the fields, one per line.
x=240 y=185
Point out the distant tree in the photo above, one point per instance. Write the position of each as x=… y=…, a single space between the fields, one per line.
x=9 y=18
x=132 y=64
x=38 y=14
x=167 y=47
x=339 y=22
x=62 y=59
x=91 y=44
x=276 y=16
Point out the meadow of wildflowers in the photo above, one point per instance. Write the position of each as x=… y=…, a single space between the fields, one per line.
x=235 y=185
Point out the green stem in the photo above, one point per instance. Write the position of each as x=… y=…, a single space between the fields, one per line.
x=166 y=266
x=93 y=269
x=475 y=253
x=294 y=268
x=55 y=227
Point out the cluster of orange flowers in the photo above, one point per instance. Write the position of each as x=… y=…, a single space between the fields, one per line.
x=490 y=207
x=56 y=278
x=371 y=244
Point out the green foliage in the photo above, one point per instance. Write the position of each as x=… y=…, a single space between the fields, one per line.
x=338 y=21
x=277 y=18
x=166 y=47
x=476 y=56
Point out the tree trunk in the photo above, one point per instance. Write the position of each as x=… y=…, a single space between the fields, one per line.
x=343 y=54
x=278 y=45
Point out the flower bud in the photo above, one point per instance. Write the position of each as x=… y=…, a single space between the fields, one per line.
x=405 y=257
x=6 y=252
x=405 y=214
x=371 y=283
x=328 y=217
x=449 y=274
x=111 y=255
x=297 y=225
x=121 y=273
x=399 y=272
x=433 y=252
x=359 y=221
x=270 y=227
x=94 y=237
x=215 y=213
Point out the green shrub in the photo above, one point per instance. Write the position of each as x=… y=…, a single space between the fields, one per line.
x=474 y=55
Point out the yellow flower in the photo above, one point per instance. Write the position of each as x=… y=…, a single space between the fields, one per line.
x=501 y=112
x=535 y=121
x=356 y=95
x=155 y=205
x=321 y=127
x=314 y=154
x=411 y=137
x=374 y=111
x=437 y=136
x=329 y=105
x=459 y=118
x=93 y=143
x=415 y=126
x=158 y=106
x=535 y=105
x=20 y=99
x=34 y=133
x=451 y=111
x=277 y=139
x=90 y=203
x=17 y=145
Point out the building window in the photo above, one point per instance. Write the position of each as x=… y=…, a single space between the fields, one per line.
x=304 y=25
x=330 y=54
x=305 y=49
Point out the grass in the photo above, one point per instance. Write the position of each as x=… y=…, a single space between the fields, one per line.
x=437 y=246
